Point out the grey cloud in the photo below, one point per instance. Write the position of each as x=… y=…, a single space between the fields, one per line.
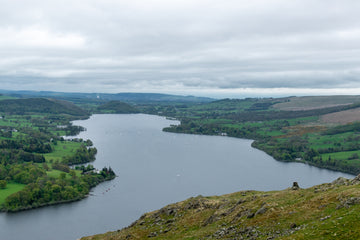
x=157 y=44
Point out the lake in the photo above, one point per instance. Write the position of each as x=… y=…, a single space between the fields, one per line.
x=154 y=169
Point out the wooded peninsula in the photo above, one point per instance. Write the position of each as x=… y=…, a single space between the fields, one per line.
x=35 y=158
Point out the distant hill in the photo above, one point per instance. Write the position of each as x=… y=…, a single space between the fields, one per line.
x=40 y=105
x=315 y=102
x=117 y=107
x=157 y=97
x=137 y=98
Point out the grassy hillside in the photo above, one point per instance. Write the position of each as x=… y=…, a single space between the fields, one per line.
x=327 y=211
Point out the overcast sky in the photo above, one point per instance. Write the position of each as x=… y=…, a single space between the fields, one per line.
x=202 y=47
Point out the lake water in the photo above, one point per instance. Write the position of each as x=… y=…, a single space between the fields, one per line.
x=154 y=169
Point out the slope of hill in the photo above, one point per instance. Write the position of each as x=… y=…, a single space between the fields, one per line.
x=40 y=105
x=327 y=211
x=342 y=117
x=315 y=102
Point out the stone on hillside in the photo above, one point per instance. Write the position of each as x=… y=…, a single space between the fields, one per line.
x=295 y=186
x=356 y=180
x=341 y=181
x=261 y=210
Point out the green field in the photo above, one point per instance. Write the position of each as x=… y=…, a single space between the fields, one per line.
x=10 y=189
x=341 y=155
x=14 y=121
x=62 y=149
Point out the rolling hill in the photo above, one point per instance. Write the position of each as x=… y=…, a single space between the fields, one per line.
x=40 y=105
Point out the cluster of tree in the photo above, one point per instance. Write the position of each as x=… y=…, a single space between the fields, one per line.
x=35 y=134
x=87 y=142
x=10 y=156
x=107 y=172
x=21 y=173
x=61 y=167
x=85 y=169
x=3 y=184
x=82 y=155
x=38 y=148
x=194 y=128
x=46 y=190
x=6 y=132
x=29 y=144
x=43 y=190
x=285 y=151
x=72 y=130
x=10 y=144
x=244 y=131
